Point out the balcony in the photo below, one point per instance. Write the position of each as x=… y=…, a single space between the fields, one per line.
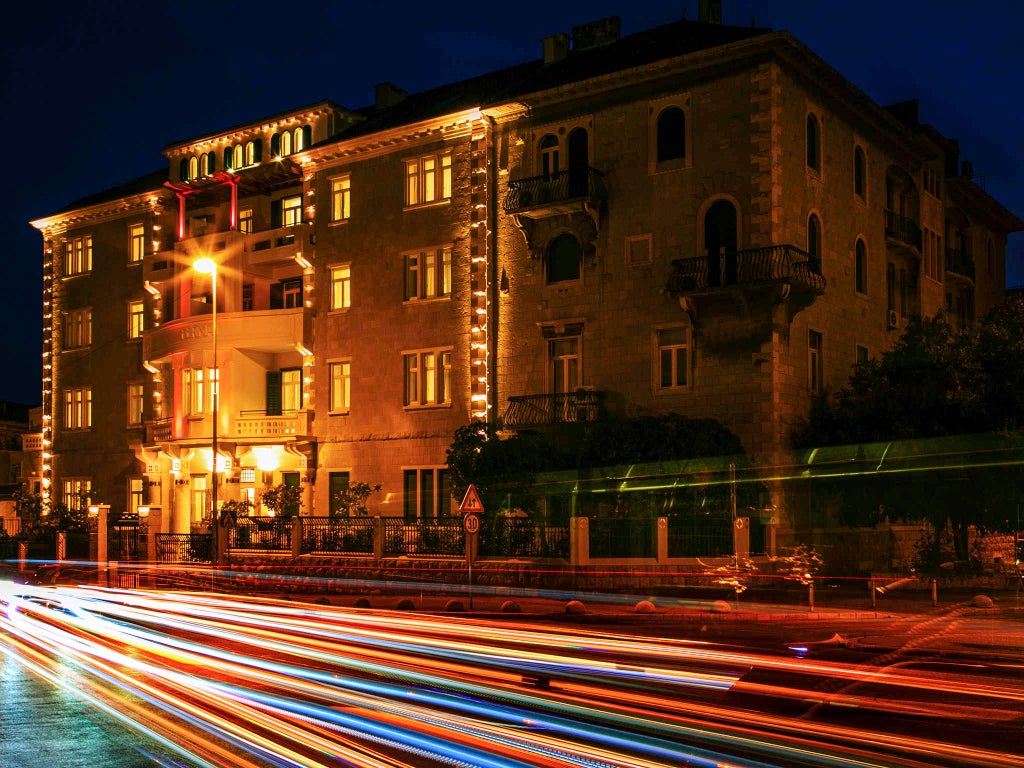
x=270 y=330
x=246 y=426
x=273 y=246
x=902 y=229
x=580 y=407
x=960 y=265
x=557 y=193
x=257 y=425
x=781 y=264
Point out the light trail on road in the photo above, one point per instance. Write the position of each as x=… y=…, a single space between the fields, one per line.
x=234 y=681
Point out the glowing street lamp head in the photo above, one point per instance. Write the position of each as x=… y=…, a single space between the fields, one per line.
x=206 y=265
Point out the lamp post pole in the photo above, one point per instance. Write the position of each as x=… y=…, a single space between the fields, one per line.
x=208 y=266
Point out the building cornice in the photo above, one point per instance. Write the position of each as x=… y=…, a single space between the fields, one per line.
x=56 y=224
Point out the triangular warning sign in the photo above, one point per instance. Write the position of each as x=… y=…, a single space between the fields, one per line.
x=471 y=502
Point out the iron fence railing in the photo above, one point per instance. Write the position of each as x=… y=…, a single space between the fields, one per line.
x=902 y=228
x=184 y=547
x=522 y=537
x=775 y=263
x=713 y=542
x=558 y=187
x=424 y=538
x=264 y=533
x=623 y=537
x=346 y=535
x=581 y=407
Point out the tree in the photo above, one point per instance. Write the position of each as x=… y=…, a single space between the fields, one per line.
x=283 y=500
x=351 y=500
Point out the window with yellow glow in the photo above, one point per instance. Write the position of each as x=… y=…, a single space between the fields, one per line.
x=428 y=274
x=428 y=377
x=428 y=179
x=341 y=287
x=341 y=198
x=136 y=243
x=341 y=386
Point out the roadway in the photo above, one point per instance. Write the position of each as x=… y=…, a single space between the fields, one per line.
x=203 y=679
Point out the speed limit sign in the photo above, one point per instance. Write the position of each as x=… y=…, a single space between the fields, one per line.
x=471 y=523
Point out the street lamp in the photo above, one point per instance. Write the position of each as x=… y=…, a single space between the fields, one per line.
x=208 y=266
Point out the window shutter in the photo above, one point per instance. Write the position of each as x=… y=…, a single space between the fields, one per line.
x=211 y=162
x=275 y=144
x=183 y=169
x=307 y=136
x=273 y=393
x=277 y=296
x=275 y=214
x=228 y=158
x=257 y=151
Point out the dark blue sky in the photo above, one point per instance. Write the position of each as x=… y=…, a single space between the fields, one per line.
x=92 y=92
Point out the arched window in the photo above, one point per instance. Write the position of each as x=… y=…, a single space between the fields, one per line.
x=814 y=237
x=207 y=164
x=193 y=167
x=859 y=173
x=564 y=256
x=301 y=138
x=549 y=155
x=813 y=143
x=861 y=266
x=286 y=144
x=252 y=152
x=238 y=159
x=671 y=134
x=720 y=242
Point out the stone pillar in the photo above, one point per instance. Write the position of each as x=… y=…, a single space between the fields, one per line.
x=22 y=556
x=378 y=537
x=579 y=541
x=662 y=549
x=102 y=542
x=62 y=546
x=296 y=536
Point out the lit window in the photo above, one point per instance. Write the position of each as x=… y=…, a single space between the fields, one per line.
x=291 y=390
x=193 y=168
x=135 y=495
x=291 y=291
x=428 y=274
x=428 y=377
x=299 y=142
x=291 y=211
x=564 y=364
x=341 y=287
x=136 y=319
x=286 y=144
x=78 y=408
x=192 y=390
x=426 y=493
x=78 y=255
x=245 y=221
x=237 y=156
x=199 y=510
x=673 y=346
x=252 y=152
x=428 y=179
x=136 y=243
x=78 y=328
x=341 y=198
x=77 y=493
x=135 y=403
x=815 y=368
x=341 y=386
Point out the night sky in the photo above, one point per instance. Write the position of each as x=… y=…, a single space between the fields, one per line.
x=92 y=92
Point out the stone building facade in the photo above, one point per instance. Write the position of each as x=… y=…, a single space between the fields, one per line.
x=696 y=219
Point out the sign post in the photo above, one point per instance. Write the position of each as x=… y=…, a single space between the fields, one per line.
x=471 y=509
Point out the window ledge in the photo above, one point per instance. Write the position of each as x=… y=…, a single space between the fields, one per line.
x=428 y=407
x=429 y=300
x=339 y=413
x=339 y=222
x=434 y=204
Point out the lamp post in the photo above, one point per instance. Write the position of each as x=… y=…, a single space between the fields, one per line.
x=208 y=266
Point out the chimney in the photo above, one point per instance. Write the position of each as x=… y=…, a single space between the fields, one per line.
x=596 y=33
x=388 y=94
x=556 y=47
x=709 y=11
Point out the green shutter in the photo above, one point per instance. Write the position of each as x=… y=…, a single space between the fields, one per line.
x=229 y=157
x=275 y=214
x=273 y=393
x=275 y=145
x=307 y=136
x=258 y=150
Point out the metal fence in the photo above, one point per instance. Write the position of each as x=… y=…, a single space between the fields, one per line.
x=522 y=537
x=184 y=547
x=710 y=542
x=424 y=538
x=262 y=533
x=623 y=537
x=347 y=535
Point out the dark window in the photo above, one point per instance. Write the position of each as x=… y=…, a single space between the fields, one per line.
x=336 y=481
x=861 y=258
x=720 y=242
x=671 y=134
x=273 y=393
x=563 y=259
x=579 y=162
x=814 y=237
x=859 y=171
x=813 y=143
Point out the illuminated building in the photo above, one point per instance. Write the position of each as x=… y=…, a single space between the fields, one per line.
x=698 y=219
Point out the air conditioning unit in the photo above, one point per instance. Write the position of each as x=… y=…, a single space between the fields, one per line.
x=892 y=319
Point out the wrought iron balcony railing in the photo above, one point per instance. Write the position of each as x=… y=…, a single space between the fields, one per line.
x=959 y=262
x=902 y=228
x=775 y=263
x=555 y=188
x=582 y=406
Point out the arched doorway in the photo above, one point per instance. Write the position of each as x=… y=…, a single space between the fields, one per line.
x=720 y=242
